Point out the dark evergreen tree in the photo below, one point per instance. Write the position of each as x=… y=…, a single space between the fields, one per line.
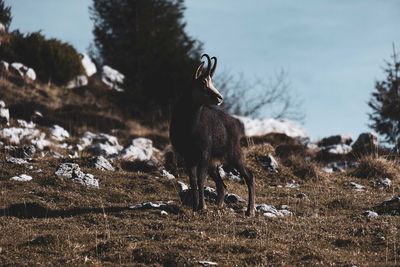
x=385 y=103
x=147 y=42
x=5 y=14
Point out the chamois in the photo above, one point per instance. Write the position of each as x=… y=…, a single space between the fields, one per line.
x=206 y=135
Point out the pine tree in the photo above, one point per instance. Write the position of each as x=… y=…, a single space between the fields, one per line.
x=147 y=42
x=5 y=14
x=385 y=103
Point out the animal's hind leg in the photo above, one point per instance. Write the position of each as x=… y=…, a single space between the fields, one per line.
x=201 y=176
x=219 y=183
x=248 y=176
x=193 y=186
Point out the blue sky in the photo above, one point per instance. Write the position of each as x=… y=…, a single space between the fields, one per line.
x=333 y=51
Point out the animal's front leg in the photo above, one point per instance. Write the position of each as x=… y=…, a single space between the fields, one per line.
x=193 y=186
x=201 y=176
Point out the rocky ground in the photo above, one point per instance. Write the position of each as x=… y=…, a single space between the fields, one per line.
x=78 y=191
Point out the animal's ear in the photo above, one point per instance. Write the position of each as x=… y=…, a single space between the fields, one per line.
x=198 y=71
x=214 y=66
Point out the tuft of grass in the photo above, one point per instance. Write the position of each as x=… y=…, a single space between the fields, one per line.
x=371 y=167
x=303 y=168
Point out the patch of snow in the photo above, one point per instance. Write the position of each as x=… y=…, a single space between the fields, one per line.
x=59 y=133
x=327 y=170
x=88 y=65
x=229 y=175
x=257 y=127
x=112 y=78
x=163 y=213
x=22 y=178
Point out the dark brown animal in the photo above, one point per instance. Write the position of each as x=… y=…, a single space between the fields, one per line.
x=206 y=135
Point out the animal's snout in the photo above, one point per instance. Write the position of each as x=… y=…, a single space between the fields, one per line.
x=220 y=99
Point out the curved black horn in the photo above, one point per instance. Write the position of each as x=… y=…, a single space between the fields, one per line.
x=208 y=63
x=214 y=66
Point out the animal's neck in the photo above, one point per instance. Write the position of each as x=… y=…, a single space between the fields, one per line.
x=191 y=112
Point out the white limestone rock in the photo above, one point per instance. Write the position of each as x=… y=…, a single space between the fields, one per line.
x=88 y=65
x=141 y=149
x=21 y=178
x=112 y=78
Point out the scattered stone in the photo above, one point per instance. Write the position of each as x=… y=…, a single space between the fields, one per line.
x=231 y=174
x=269 y=163
x=17 y=161
x=25 y=124
x=22 y=178
x=24 y=152
x=100 y=144
x=4 y=113
x=207 y=263
x=389 y=207
x=15 y=135
x=292 y=185
x=233 y=199
x=72 y=171
x=183 y=186
x=163 y=213
x=112 y=78
x=385 y=182
x=88 y=65
x=335 y=140
x=4 y=66
x=340 y=149
x=327 y=170
x=102 y=163
x=370 y=214
x=366 y=143
x=59 y=133
x=272 y=212
x=167 y=175
x=357 y=187
x=40 y=142
x=23 y=71
x=168 y=206
x=141 y=149
x=77 y=82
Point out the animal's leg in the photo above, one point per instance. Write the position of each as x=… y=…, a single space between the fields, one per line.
x=214 y=174
x=193 y=186
x=248 y=177
x=201 y=176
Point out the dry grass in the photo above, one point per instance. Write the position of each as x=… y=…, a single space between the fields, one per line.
x=372 y=167
x=50 y=221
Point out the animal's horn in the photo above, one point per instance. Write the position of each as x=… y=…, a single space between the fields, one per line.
x=214 y=66
x=199 y=70
x=208 y=63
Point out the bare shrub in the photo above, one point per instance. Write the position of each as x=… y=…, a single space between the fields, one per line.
x=371 y=167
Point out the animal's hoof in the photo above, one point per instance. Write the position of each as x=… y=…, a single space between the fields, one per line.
x=250 y=213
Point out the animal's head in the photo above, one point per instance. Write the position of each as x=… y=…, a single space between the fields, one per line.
x=204 y=91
